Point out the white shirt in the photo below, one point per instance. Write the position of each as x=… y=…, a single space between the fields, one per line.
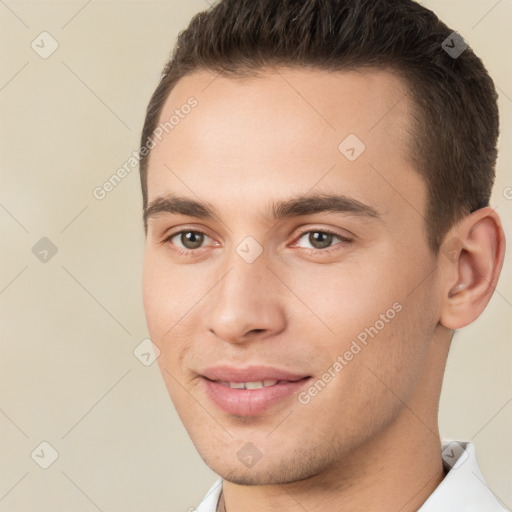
x=463 y=489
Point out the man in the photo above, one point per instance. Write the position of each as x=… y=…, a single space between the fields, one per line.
x=316 y=178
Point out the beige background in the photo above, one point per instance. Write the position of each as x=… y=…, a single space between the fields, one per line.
x=69 y=326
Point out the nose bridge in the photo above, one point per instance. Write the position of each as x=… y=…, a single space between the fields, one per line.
x=246 y=298
x=247 y=266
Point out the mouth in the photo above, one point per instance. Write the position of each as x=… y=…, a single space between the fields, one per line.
x=250 y=391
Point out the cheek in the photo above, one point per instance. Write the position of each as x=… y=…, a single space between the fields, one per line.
x=152 y=296
x=347 y=299
x=164 y=293
x=170 y=295
x=376 y=380
x=376 y=324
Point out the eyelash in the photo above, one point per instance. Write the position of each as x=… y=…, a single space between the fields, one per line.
x=328 y=250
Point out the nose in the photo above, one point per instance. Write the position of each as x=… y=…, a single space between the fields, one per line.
x=247 y=303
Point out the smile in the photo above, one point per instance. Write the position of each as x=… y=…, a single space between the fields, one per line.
x=249 y=385
x=262 y=388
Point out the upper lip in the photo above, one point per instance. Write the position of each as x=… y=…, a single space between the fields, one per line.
x=249 y=374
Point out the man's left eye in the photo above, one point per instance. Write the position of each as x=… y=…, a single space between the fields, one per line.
x=321 y=239
x=188 y=240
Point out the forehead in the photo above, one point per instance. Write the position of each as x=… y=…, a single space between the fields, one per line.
x=288 y=129
x=287 y=104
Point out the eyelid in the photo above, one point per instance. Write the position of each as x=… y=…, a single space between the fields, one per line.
x=184 y=229
x=330 y=231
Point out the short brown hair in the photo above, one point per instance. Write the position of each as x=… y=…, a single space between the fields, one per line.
x=456 y=120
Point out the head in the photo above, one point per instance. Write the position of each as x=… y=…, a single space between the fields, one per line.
x=319 y=207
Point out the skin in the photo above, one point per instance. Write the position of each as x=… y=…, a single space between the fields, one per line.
x=369 y=440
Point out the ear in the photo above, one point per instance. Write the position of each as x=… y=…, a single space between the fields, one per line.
x=472 y=257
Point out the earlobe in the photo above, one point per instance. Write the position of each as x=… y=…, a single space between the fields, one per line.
x=472 y=260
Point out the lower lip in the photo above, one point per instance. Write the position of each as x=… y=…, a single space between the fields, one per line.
x=250 y=402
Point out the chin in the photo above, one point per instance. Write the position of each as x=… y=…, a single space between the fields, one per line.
x=247 y=479
x=269 y=472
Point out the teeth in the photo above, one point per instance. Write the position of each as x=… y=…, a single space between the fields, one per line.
x=252 y=385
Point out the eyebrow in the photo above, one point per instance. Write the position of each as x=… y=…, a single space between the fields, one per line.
x=292 y=207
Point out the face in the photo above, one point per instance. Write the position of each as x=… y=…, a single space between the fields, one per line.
x=328 y=303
